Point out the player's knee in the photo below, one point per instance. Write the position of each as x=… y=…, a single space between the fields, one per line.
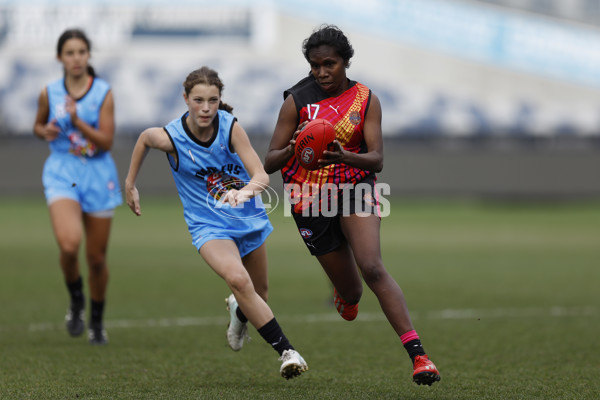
x=69 y=254
x=372 y=271
x=69 y=250
x=238 y=281
x=96 y=262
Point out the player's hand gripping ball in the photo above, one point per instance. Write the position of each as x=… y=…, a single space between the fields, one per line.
x=312 y=141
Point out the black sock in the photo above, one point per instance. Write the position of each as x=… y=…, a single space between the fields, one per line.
x=414 y=348
x=240 y=315
x=97 y=312
x=272 y=333
x=76 y=291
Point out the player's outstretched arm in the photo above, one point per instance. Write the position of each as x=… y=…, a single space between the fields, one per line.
x=151 y=138
x=259 y=179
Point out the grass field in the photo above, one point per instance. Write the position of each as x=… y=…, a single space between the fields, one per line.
x=506 y=300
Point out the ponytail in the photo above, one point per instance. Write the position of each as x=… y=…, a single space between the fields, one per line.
x=226 y=107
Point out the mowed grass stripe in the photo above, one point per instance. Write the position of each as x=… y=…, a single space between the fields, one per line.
x=497 y=313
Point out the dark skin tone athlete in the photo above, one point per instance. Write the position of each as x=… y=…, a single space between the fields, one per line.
x=362 y=250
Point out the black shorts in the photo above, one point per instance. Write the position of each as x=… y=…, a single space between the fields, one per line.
x=323 y=234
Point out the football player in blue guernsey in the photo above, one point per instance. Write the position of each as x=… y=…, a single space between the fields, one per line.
x=75 y=116
x=219 y=176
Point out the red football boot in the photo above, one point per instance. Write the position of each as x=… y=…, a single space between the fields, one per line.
x=347 y=311
x=425 y=371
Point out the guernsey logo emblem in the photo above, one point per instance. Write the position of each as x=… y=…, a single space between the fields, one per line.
x=219 y=183
x=306 y=233
x=354 y=118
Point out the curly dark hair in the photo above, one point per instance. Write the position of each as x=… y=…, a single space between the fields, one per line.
x=329 y=35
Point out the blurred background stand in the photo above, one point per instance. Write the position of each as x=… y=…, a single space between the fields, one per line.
x=481 y=99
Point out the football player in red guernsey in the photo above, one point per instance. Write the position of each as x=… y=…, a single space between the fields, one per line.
x=336 y=207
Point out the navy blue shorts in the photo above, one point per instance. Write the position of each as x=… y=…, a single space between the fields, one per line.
x=322 y=233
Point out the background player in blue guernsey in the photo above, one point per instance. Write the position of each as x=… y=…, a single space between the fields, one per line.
x=347 y=242
x=76 y=117
x=218 y=176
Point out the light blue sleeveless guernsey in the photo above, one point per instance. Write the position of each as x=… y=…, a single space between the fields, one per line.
x=76 y=169
x=88 y=109
x=203 y=172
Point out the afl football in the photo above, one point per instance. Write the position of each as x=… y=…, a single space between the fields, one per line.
x=312 y=141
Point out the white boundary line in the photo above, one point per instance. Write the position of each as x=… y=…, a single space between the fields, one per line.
x=447 y=314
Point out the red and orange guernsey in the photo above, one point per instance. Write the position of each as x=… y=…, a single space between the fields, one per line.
x=346 y=113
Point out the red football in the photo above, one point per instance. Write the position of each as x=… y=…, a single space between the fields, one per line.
x=312 y=141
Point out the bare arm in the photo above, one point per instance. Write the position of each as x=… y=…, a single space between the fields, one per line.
x=259 y=179
x=103 y=136
x=42 y=128
x=281 y=148
x=151 y=138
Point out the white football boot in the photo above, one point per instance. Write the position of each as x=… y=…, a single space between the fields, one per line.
x=237 y=331
x=292 y=364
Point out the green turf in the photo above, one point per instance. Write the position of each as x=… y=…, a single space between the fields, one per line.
x=504 y=297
